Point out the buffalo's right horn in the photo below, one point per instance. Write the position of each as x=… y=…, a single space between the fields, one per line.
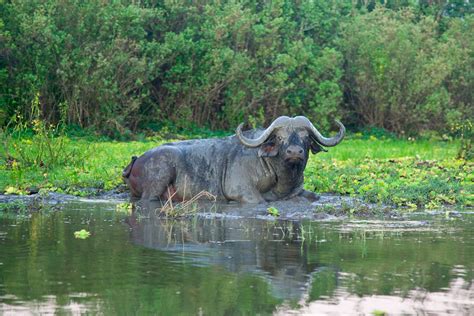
x=329 y=142
x=249 y=142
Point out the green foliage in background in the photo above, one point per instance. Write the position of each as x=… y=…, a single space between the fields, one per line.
x=120 y=67
x=87 y=61
x=402 y=76
x=128 y=66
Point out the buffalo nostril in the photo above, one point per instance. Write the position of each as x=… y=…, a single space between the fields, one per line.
x=294 y=151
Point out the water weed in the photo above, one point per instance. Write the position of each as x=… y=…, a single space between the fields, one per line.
x=409 y=181
x=273 y=211
x=125 y=207
x=82 y=234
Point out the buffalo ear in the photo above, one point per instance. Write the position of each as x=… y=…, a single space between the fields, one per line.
x=316 y=147
x=268 y=149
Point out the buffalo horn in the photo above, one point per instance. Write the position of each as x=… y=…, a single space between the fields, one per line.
x=298 y=121
x=249 y=142
x=301 y=121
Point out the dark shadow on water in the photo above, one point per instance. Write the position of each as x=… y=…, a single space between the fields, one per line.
x=271 y=249
x=312 y=261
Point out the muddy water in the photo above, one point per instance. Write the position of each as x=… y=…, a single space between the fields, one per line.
x=234 y=263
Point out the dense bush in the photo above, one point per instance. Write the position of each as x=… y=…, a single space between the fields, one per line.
x=235 y=61
x=124 y=66
x=88 y=61
x=400 y=75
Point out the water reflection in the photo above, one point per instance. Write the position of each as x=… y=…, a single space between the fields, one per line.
x=47 y=305
x=332 y=265
x=142 y=264
x=457 y=299
x=270 y=249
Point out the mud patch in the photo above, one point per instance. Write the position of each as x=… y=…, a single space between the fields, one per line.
x=328 y=207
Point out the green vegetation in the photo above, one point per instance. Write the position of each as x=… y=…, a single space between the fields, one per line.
x=82 y=234
x=129 y=66
x=100 y=169
x=403 y=76
x=124 y=207
x=412 y=173
x=273 y=211
x=417 y=173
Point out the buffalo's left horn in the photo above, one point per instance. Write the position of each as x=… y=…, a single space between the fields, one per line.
x=301 y=121
x=249 y=142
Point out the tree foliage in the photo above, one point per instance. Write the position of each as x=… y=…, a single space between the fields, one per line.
x=402 y=76
x=125 y=66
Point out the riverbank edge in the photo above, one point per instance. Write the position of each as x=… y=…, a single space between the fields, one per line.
x=328 y=207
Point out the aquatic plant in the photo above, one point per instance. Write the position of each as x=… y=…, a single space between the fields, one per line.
x=82 y=234
x=125 y=207
x=273 y=211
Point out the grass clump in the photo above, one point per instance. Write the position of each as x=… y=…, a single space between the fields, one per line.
x=185 y=207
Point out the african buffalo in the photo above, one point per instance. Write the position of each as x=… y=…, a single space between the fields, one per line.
x=253 y=166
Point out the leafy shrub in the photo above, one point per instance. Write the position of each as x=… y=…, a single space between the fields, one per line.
x=47 y=147
x=125 y=66
x=121 y=66
x=89 y=62
x=402 y=76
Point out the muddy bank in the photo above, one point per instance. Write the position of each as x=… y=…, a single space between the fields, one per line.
x=327 y=207
x=56 y=198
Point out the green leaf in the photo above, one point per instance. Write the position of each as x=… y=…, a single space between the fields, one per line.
x=273 y=211
x=82 y=234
